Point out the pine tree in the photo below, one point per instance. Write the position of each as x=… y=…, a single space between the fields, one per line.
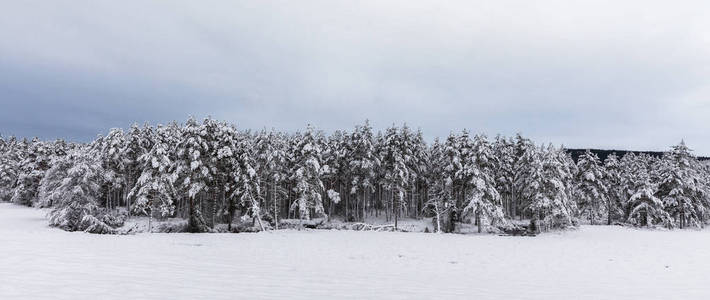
x=223 y=158
x=644 y=208
x=446 y=169
x=440 y=199
x=307 y=176
x=31 y=171
x=549 y=200
x=270 y=160
x=138 y=141
x=50 y=183
x=590 y=187
x=703 y=193
x=194 y=171
x=54 y=176
x=567 y=169
x=524 y=153
x=420 y=166
x=77 y=197
x=615 y=191
x=362 y=163
x=155 y=187
x=504 y=171
x=481 y=195
x=453 y=166
x=464 y=174
x=9 y=168
x=679 y=187
x=336 y=158
x=396 y=173
x=409 y=144
x=114 y=160
x=247 y=185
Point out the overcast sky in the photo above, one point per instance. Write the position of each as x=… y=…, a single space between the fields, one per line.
x=603 y=74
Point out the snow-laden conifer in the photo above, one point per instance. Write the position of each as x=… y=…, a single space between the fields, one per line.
x=591 y=189
x=307 y=176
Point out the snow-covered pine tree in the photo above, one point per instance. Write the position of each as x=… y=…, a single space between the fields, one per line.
x=138 y=141
x=224 y=161
x=270 y=161
x=420 y=166
x=50 y=183
x=154 y=189
x=54 y=175
x=549 y=204
x=290 y=142
x=307 y=176
x=590 y=187
x=680 y=187
x=34 y=164
x=395 y=169
x=503 y=171
x=214 y=133
x=193 y=171
x=172 y=133
x=483 y=153
x=453 y=166
x=703 y=169
x=446 y=169
x=9 y=168
x=246 y=181
x=643 y=207
x=524 y=154
x=568 y=170
x=440 y=187
x=76 y=199
x=627 y=166
x=114 y=164
x=615 y=192
x=384 y=201
x=336 y=157
x=362 y=164
x=482 y=198
x=409 y=146
x=464 y=146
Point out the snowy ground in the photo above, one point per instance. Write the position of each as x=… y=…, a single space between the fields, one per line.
x=37 y=262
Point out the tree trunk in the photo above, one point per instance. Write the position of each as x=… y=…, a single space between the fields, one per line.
x=591 y=217
x=230 y=215
x=438 y=217
x=195 y=223
x=608 y=215
x=191 y=220
x=357 y=207
x=364 y=199
x=396 y=211
x=276 y=214
x=261 y=225
x=478 y=220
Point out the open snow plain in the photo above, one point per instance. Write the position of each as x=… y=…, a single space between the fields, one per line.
x=594 y=262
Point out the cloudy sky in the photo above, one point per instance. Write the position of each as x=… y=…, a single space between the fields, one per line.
x=605 y=74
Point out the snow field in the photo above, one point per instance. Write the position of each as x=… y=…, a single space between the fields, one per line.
x=594 y=262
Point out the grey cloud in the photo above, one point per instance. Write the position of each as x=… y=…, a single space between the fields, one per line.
x=583 y=73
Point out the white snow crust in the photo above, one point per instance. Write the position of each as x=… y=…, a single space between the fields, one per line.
x=594 y=262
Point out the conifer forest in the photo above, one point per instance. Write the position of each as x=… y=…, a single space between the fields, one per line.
x=216 y=177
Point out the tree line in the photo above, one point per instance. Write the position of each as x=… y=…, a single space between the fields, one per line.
x=211 y=173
